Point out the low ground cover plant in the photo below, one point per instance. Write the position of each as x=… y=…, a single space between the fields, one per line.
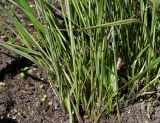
x=98 y=54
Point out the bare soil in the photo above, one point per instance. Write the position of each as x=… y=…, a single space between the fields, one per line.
x=28 y=98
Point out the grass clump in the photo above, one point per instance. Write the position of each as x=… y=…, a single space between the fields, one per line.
x=97 y=54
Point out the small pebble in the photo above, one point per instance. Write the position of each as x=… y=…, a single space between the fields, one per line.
x=50 y=103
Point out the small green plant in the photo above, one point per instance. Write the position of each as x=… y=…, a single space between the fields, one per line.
x=41 y=86
x=23 y=72
x=16 y=112
x=44 y=97
x=97 y=53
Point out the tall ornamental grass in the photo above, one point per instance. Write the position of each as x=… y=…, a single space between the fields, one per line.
x=98 y=54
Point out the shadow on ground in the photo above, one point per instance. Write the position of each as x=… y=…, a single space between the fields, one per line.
x=7 y=120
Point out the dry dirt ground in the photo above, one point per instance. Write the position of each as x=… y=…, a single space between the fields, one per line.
x=26 y=96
